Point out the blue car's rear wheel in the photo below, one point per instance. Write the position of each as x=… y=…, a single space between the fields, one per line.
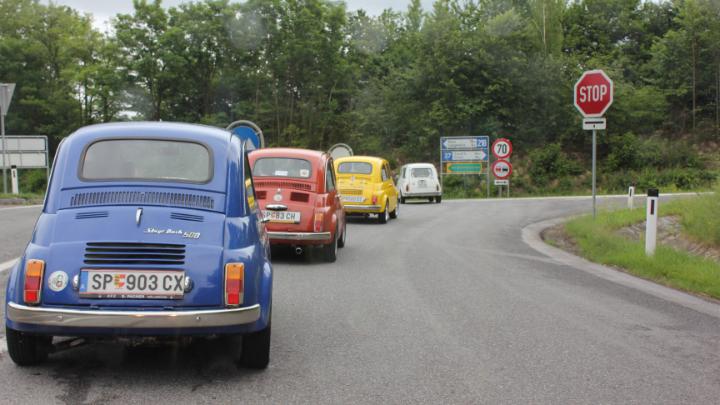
x=26 y=349
x=256 y=349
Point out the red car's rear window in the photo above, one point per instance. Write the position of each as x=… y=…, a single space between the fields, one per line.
x=282 y=167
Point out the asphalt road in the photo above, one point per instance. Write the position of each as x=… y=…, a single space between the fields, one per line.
x=444 y=305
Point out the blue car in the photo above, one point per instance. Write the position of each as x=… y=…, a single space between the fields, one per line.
x=148 y=230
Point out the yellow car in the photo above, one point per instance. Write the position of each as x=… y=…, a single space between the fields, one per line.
x=366 y=187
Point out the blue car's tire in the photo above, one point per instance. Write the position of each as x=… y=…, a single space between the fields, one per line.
x=256 y=349
x=26 y=349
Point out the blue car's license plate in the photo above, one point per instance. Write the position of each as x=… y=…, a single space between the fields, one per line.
x=132 y=284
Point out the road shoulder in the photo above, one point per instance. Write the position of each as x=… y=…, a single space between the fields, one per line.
x=531 y=235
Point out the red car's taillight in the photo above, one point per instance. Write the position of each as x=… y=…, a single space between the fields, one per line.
x=318 y=222
x=34 y=270
x=234 y=277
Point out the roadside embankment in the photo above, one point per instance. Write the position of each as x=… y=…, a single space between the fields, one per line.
x=687 y=256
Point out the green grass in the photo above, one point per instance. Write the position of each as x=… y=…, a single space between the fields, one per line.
x=24 y=196
x=700 y=218
x=598 y=242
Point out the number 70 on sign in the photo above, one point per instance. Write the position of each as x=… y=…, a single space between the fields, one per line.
x=502 y=148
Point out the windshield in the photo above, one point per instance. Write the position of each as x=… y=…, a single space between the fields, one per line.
x=355 y=168
x=421 y=172
x=282 y=167
x=142 y=159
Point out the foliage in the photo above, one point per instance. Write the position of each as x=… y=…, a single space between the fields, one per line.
x=312 y=73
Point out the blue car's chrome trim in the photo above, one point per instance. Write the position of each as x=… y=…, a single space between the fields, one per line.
x=300 y=235
x=74 y=318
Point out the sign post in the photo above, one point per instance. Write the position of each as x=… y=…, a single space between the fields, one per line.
x=465 y=155
x=593 y=96
x=14 y=180
x=6 y=93
x=651 y=222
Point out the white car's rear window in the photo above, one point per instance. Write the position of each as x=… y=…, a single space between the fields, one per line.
x=421 y=172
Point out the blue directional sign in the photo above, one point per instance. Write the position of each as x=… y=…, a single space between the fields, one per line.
x=465 y=142
x=464 y=154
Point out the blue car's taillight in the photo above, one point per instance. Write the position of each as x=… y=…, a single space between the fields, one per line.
x=34 y=270
x=234 y=277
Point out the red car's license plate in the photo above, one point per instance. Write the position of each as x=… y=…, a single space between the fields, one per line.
x=132 y=284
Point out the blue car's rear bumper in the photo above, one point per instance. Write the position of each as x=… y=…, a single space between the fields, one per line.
x=63 y=321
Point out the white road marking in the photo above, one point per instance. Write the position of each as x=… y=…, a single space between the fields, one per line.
x=8 y=264
x=3 y=345
x=20 y=207
x=571 y=197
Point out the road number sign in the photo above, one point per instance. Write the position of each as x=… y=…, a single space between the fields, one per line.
x=593 y=93
x=502 y=148
x=502 y=169
x=464 y=155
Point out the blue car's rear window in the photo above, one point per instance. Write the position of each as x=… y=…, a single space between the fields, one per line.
x=147 y=159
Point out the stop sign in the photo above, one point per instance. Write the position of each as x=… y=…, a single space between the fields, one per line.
x=593 y=93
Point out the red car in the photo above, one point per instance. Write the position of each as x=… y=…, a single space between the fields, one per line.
x=297 y=193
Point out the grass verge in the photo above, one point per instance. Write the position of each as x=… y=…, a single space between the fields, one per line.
x=29 y=198
x=598 y=242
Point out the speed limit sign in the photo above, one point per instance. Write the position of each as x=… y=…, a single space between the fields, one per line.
x=502 y=148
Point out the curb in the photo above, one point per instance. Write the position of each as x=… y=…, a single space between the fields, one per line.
x=531 y=236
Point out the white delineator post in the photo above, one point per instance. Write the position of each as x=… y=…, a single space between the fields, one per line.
x=651 y=222
x=14 y=179
x=631 y=196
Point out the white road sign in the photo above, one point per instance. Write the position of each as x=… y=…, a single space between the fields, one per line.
x=25 y=151
x=594 y=123
x=25 y=143
x=469 y=142
x=6 y=93
x=25 y=160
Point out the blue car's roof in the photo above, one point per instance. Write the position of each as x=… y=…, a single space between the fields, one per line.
x=168 y=130
x=68 y=190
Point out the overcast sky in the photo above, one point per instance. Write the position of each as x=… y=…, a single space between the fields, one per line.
x=102 y=10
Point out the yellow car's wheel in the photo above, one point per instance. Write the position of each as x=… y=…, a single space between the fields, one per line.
x=384 y=216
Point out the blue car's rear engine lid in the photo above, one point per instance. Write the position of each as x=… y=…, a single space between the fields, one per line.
x=139 y=196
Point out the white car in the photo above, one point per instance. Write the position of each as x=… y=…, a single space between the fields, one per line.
x=419 y=180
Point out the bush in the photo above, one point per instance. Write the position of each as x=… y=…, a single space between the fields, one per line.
x=550 y=162
x=33 y=181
